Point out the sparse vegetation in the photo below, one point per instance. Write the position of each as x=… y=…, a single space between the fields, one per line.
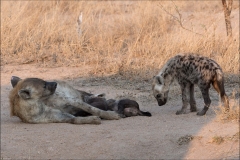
x=217 y=139
x=235 y=137
x=185 y=139
x=220 y=139
x=232 y=114
x=133 y=39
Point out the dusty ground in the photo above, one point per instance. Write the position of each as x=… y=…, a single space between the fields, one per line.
x=162 y=136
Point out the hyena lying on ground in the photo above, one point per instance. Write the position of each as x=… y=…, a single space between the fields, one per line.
x=34 y=100
x=124 y=107
x=190 y=70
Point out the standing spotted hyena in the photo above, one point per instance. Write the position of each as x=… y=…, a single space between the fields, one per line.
x=190 y=70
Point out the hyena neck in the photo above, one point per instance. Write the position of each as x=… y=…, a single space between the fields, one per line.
x=168 y=72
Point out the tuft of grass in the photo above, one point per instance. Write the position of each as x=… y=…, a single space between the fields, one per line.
x=217 y=140
x=232 y=114
x=185 y=139
x=234 y=137
x=220 y=139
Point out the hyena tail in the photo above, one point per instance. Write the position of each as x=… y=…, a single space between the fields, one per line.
x=218 y=84
x=145 y=114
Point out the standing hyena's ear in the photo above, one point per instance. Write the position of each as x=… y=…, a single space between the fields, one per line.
x=15 y=80
x=24 y=94
x=159 y=80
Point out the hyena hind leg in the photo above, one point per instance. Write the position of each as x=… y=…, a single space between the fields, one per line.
x=193 y=107
x=219 y=87
x=207 y=101
x=56 y=116
x=108 y=115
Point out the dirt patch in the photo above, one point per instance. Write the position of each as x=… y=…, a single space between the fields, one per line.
x=130 y=138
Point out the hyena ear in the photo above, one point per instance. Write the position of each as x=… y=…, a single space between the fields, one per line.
x=101 y=95
x=159 y=80
x=15 y=80
x=24 y=94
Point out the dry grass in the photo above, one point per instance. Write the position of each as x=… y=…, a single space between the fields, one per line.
x=236 y=136
x=185 y=139
x=220 y=139
x=232 y=114
x=217 y=140
x=133 y=39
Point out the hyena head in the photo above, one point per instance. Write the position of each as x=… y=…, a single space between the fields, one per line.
x=160 y=90
x=33 y=88
x=129 y=112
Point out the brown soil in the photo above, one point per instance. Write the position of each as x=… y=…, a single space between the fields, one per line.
x=162 y=136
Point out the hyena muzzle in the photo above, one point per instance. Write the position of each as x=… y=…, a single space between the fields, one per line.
x=190 y=70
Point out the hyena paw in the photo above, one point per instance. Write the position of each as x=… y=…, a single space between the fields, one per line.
x=114 y=115
x=193 y=109
x=122 y=115
x=110 y=115
x=95 y=120
x=87 y=120
x=201 y=113
x=180 y=112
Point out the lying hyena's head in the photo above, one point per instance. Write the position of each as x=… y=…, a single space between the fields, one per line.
x=160 y=90
x=33 y=88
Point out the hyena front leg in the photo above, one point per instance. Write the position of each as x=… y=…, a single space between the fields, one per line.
x=56 y=116
x=185 y=100
x=193 y=107
x=207 y=100
x=109 y=115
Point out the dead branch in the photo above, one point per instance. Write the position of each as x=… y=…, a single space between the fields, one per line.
x=178 y=19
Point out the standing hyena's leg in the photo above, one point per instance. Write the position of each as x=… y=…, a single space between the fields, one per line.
x=56 y=116
x=219 y=87
x=207 y=100
x=185 y=98
x=193 y=107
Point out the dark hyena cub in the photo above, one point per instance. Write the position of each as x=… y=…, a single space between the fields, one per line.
x=124 y=107
x=190 y=70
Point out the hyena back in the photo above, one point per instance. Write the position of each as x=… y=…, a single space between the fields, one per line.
x=190 y=70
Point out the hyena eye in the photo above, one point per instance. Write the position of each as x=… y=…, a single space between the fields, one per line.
x=158 y=96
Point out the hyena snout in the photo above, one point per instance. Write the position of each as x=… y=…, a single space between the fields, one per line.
x=129 y=112
x=161 y=99
x=51 y=86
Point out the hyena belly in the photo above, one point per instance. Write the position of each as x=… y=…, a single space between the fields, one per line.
x=190 y=70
